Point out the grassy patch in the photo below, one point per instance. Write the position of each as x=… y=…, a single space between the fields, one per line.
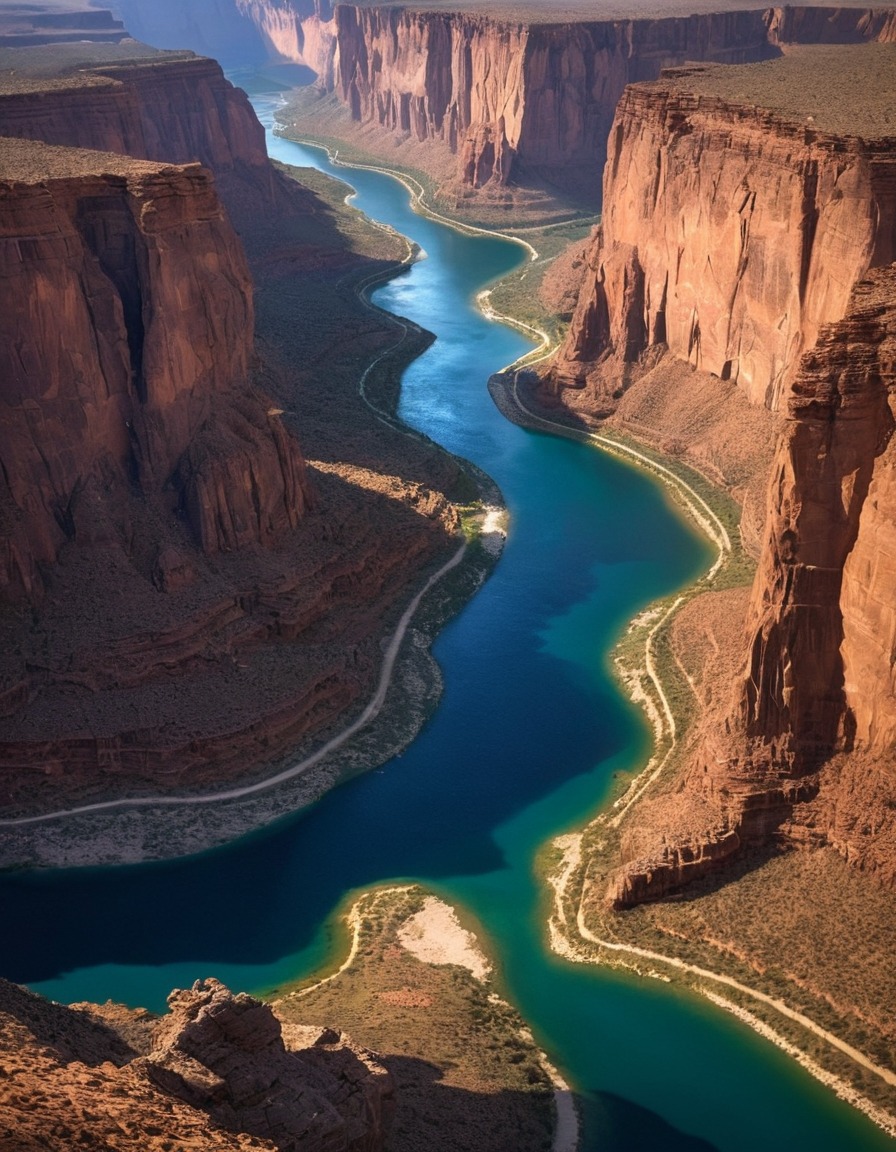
x=468 y=1075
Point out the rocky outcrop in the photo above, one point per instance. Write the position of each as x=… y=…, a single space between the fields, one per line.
x=817 y=698
x=774 y=271
x=226 y=1055
x=731 y=234
x=150 y=105
x=126 y=341
x=218 y=1072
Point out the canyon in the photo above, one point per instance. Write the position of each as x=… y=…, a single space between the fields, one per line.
x=512 y=114
x=183 y=599
x=202 y=535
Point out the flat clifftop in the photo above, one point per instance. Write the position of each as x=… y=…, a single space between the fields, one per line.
x=566 y=12
x=839 y=89
x=33 y=162
x=52 y=66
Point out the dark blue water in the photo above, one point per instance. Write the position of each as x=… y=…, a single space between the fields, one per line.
x=526 y=740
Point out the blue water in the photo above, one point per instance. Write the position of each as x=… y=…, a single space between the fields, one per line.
x=523 y=746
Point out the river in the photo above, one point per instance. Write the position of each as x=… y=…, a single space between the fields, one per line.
x=524 y=745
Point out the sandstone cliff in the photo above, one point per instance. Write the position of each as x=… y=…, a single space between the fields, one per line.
x=146 y=104
x=812 y=713
x=171 y=613
x=522 y=101
x=217 y=1072
x=238 y=32
x=127 y=335
x=502 y=102
x=800 y=751
x=732 y=231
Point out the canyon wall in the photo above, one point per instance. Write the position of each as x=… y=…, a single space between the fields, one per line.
x=150 y=105
x=517 y=100
x=803 y=754
x=755 y=238
x=730 y=235
x=523 y=101
x=239 y=33
x=532 y=101
x=176 y=608
x=126 y=350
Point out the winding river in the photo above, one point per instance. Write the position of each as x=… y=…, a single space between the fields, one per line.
x=523 y=746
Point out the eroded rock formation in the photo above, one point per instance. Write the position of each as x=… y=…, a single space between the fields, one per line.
x=217 y=1072
x=817 y=697
x=516 y=100
x=171 y=616
x=731 y=233
x=525 y=102
x=126 y=348
x=808 y=727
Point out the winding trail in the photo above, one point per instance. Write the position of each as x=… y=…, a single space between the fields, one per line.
x=373 y=707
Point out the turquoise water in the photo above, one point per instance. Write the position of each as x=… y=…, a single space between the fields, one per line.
x=523 y=746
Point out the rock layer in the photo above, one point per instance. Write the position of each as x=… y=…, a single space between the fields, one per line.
x=127 y=339
x=773 y=269
x=731 y=234
x=814 y=712
x=150 y=105
x=516 y=101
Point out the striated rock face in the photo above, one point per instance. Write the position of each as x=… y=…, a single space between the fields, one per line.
x=216 y=1073
x=774 y=270
x=818 y=698
x=149 y=105
x=516 y=98
x=302 y=32
x=731 y=234
x=238 y=32
x=128 y=332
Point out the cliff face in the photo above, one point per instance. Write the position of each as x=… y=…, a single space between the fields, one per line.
x=153 y=106
x=238 y=32
x=217 y=1072
x=804 y=753
x=730 y=235
x=773 y=269
x=530 y=101
x=128 y=331
x=514 y=98
x=302 y=32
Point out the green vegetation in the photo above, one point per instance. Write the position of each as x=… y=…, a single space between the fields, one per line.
x=467 y=1072
x=518 y=295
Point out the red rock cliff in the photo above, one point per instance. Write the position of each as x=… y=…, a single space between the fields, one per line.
x=528 y=100
x=805 y=754
x=127 y=331
x=516 y=97
x=149 y=105
x=778 y=260
x=731 y=234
